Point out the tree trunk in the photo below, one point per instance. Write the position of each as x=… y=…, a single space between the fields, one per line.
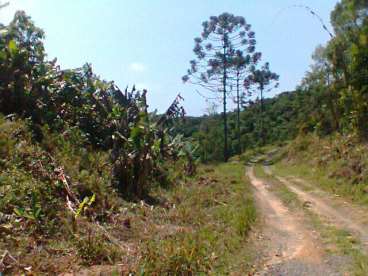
x=332 y=105
x=224 y=102
x=238 y=111
x=263 y=138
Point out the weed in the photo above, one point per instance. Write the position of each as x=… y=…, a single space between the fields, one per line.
x=93 y=249
x=184 y=254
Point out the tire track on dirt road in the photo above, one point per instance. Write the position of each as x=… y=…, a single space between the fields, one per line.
x=289 y=247
x=343 y=217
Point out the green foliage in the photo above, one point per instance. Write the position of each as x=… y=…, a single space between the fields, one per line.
x=182 y=254
x=210 y=139
x=29 y=180
x=284 y=118
x=35 y=210
x=77 y=103
x=347 y=53
x=34 y=200
x=141 y=145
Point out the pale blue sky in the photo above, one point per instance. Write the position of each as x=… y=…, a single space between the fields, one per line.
x=150 y=42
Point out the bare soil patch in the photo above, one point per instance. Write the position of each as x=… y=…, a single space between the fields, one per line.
x=288 y=247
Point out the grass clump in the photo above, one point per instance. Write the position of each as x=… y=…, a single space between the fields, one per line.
x=94 y=249
x=184 y=254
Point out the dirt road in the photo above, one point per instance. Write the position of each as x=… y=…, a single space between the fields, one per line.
x=288 y=246
x=337 y=212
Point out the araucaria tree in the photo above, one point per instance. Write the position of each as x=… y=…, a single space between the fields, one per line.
x=222 y=39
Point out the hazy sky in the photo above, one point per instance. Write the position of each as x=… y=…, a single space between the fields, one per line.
x=150 y=42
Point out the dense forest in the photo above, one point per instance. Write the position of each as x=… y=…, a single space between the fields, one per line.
x=90 y=177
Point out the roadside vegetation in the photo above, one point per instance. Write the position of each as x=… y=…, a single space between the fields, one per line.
x=215 y=213
x=198 y=224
